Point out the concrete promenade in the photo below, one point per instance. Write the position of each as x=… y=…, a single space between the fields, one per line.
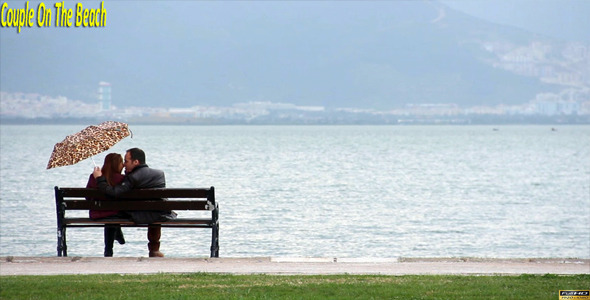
x=289 y=266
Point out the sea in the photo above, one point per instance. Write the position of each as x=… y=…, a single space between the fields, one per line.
x=374 y=192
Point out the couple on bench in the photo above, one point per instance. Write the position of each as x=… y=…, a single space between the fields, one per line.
x=138 y=175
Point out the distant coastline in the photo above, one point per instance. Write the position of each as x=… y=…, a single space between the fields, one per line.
x=327 y=120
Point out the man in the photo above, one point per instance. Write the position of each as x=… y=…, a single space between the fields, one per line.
x=139 y=176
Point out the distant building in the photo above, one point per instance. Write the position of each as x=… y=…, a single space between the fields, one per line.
x=104 y=95
x=568 y=107
x=568 y=102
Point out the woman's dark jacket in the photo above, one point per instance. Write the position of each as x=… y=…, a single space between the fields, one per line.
x=97 y=214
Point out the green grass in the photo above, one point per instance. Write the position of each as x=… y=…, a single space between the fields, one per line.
x=221 y=286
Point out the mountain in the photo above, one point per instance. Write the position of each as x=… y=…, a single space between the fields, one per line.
x=376 y=54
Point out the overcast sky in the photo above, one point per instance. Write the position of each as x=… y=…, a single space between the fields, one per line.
x=307 y=52
x=566 y=19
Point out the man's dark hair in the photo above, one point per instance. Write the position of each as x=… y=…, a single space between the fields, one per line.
x=138 y=154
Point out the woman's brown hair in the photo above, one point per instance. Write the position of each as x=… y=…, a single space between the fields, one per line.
x=112 y=164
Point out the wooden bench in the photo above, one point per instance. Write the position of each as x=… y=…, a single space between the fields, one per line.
x=192 y=199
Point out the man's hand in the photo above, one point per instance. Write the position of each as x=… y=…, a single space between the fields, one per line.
x=97 y=173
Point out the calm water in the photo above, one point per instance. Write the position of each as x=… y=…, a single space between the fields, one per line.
x=321 y=191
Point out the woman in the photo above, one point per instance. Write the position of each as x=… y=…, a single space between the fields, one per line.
x=111 y=169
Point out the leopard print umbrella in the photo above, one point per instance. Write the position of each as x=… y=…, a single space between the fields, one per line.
x=87 y=143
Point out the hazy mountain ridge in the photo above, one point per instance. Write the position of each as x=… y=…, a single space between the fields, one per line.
x=345 y=54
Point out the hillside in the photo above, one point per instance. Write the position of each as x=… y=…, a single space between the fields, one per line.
x=381 y=54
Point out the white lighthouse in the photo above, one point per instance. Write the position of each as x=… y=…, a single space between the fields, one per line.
x=104 y=95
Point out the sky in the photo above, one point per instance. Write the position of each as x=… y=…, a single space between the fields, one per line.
x=302 y=52
x=556 y=18
x=566 y=19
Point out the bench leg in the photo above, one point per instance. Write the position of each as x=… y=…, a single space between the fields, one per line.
x=59 y=243
x=62 y=248
x=215 y=241
x=65 y=244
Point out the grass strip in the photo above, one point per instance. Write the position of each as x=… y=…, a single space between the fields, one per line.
x=225 y=286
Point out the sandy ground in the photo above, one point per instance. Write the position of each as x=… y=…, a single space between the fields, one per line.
x=13 y=265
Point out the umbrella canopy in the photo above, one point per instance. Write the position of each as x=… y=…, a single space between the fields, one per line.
x=87 y=143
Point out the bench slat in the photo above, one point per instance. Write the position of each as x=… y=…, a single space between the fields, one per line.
x=137 y=205
x=177 y=221
x=139 y=194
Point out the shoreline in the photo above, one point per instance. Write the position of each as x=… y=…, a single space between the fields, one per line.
x=23 y=265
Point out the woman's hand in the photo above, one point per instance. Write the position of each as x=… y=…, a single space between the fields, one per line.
x=97 y=173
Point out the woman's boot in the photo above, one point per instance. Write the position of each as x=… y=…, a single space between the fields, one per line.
x=119 y=236
x=154 y=233
x=109 y=240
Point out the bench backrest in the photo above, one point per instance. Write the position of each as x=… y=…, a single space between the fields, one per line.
x=141 y=199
